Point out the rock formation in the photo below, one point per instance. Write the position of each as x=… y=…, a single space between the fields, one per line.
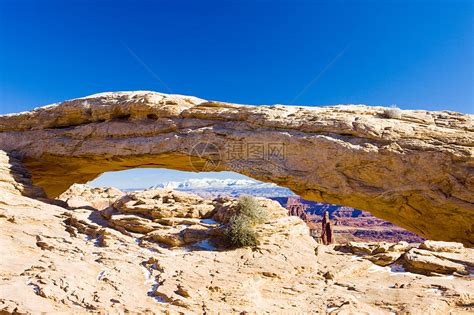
x=296 y=208
x=80 y=196
x=352 y=225
x=326 y=230
x=430 y=257
x=415 y=170
x=149 y=252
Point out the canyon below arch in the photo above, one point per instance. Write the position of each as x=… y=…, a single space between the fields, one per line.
x=413 y=168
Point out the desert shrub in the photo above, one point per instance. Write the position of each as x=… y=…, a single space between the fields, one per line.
x=249 y=207
x=240 y=231
x=392 y=113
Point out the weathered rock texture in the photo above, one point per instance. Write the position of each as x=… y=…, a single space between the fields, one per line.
x=81 y=196
x=429 y=258
x=81 y=260
x=414 y=169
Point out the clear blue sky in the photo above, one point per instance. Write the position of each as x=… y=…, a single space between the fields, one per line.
x=415 y=54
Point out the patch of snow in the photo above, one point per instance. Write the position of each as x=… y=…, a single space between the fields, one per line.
x=147 y=274
x=152 y=293
x=36 y=288
x=178 y=251
x=433 y=290
x=146 y=250
x=205 y=245
x=100 y=276
x=206 y=183
x=354 y=258
x=377 y=268
x=397 y=268
x=157 y=299
x=46 y=106
x=182 y=226
x=130 y=94
x=451 y=277
x=209 y=221
x=393 y=270
x=16 y=114
x=229 y=186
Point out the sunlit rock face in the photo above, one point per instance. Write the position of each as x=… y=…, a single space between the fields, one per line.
x=414 y=168
x=161 y=251
x=80 y=196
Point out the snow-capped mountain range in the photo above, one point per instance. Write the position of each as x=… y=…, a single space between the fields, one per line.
x=231 y=187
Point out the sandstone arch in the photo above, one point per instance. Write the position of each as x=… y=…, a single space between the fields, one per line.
x=414 y=169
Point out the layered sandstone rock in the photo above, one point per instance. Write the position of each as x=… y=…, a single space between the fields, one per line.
x=442 y=246
x=15 y=179
x=176 y=218
x=162 y=203
x=62 y=260
x=415 y=169
x=428 y=258
x=425 y=262
x=79 y=196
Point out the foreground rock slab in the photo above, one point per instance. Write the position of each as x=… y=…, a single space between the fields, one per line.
x=83 y=196
x=75 y=260
x=413 y=168
x=428 y=258
x=53 y=264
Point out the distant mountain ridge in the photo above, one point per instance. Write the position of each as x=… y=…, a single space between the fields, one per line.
x=232 y=187
x=349 y=224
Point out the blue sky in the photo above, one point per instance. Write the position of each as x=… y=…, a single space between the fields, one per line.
x=414 y=54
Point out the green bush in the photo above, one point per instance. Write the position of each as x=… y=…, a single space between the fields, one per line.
x=241 y=229
x=249 y=207
x=241 y=232
x=392 y=113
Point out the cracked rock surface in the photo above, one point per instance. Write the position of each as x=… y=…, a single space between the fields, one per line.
x=414 y=169
x=77 y=259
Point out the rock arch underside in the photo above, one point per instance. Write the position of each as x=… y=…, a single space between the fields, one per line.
x=412 y=167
